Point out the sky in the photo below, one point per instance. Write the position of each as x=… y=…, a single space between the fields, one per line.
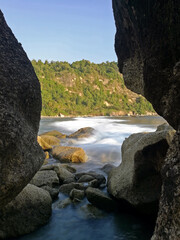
x=63 y=30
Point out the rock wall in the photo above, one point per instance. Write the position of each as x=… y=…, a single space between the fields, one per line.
x=148 y=50
x=20 y=107
x=147 y=46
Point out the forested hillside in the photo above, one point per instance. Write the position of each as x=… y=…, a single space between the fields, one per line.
x=85 y=88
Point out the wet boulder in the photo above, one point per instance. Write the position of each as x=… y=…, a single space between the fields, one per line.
x=82 y=133
x=67 y=188
x=61 y=171
x=54 y=133
x=138 y=178
x=69 y=154
x=100 y=179
x=99 y=199
x=26 y=213
x=51 y=140
x=47 y=180
x=77 y=194
x=85 y=178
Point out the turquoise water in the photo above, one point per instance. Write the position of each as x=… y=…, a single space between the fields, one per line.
x=83 y=221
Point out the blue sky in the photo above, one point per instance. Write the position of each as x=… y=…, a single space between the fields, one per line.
x=63 y=30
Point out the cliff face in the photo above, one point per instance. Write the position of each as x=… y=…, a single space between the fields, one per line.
x=148 y=53
x=20 y=106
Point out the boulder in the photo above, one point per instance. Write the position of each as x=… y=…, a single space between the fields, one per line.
x=67 y=188
x=69 y=180
x=20 y=108
x=54 y=133
x=107 y=168
x=47 y=180
x=51 y=140
x=77 y=194
x=69 y=154
x=85 y=178
x=69 y=168
x=45 y=146
x=99 y=177
x=99 y=199
x=27 y=212
x=82 y=133
x=61 y=171
x=138 y=179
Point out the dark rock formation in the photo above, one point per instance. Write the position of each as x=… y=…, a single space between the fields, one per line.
x=20 y=107
x=148 y=50
x=168 y=222
x=82 y=133
x=138 y=178
x=99 y=199
x=147 y=46
x=28 y=211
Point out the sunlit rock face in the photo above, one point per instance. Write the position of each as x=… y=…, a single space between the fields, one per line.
x=147 y=46
x=20 y=106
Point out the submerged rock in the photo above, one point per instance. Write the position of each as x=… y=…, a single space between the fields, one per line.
x=99 y=199
x=67 y=188
x=27 y=212
x=138 y=179
x=77 y=194
x=69 y=154
x=63 y=203
x=89 y=211
x=55 y=134
x=83 y=133
x=107 y=168
x=20 y=107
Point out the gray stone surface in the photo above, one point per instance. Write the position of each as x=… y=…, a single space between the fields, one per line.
x=77 y=194
x=82 y=133
x=99 y=199
x=47 y=180
x=61 y=170
x=27 y=212
x=67 y=188
x=138 y=179
x=20 y=107
x=168 y=221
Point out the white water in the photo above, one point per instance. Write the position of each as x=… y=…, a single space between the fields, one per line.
x=105 y=146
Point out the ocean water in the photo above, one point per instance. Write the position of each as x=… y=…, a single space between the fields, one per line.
x=83 y=221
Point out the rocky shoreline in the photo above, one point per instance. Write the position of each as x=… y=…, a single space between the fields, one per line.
x=133 y=187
